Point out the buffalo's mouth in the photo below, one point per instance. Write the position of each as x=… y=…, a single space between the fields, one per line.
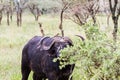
x=60 y=46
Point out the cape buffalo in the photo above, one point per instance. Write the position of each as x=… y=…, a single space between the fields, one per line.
x=38 y=55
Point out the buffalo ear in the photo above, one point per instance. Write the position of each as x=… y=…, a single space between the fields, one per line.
x=47 y=43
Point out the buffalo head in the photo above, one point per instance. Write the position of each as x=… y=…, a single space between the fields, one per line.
x=55 y=44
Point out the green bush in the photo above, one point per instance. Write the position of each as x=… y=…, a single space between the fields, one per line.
x=96 y=58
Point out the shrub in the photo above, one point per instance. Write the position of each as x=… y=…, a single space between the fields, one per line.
x=95 y=58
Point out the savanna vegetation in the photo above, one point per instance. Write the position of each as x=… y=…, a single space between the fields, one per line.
x=96 y=58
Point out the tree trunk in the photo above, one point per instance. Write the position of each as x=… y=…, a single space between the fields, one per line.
x=94 y=19
x=11 y=13
x=1 y=1
x=0 y=17
x=115 y=21
x=11 y=17
x=36 y=19
x=8 y=23
x=18 y=20
x=115 y=17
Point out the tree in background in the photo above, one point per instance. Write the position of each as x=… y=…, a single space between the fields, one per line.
x=1 y=1
x=65 y=6
x=115 y=11
x=9 y=11
x=92 y=7
x=82 y=10
x=34 y=9
x=19 y=7
x=7 y=8
x=79 y=14
x=1 y=12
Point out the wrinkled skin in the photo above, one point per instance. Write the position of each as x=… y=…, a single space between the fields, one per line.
x=38 y=55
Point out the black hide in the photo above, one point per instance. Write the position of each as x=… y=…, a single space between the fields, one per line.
x=38 y=55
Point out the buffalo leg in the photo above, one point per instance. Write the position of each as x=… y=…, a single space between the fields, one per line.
x=25 y=73
x=35 y=77
x=52 y=76
x=25 y=69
